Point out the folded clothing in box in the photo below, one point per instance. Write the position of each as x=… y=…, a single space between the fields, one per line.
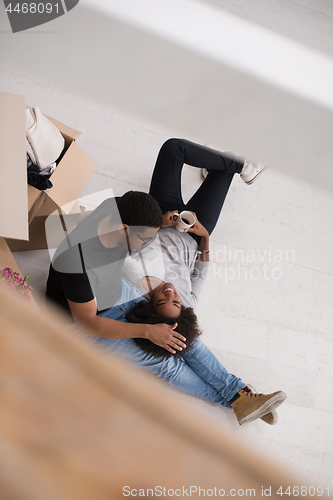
x=44 y=141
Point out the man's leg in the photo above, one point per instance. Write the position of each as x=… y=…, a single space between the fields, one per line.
x=207 y=202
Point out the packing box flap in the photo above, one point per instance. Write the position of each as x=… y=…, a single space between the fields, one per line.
x=33 y=195
x=6 y=257
x=13 y=168
x=64 y=129
x=69 y=180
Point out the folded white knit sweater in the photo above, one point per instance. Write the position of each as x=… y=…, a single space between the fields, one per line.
x=44 y=141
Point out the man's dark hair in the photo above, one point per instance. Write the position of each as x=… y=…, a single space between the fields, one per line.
x=187 y=325
x=139 y=209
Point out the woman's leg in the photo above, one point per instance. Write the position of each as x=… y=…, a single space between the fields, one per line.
x=203 y=362
x=128 y=299
x=199 y=372
x=172 y=370
x=207 y=202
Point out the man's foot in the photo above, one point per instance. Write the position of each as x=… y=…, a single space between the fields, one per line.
x=270 y=418
x=251 y=171
x=249 y=406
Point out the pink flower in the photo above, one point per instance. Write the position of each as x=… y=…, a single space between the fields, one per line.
x=14 y=282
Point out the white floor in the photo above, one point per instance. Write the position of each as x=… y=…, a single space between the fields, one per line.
x=266 y=310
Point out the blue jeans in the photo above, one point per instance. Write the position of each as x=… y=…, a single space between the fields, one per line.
x=197 y=372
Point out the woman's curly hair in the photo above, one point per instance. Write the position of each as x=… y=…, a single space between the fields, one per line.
x=187 y=325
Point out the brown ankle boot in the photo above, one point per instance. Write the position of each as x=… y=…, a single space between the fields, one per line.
x=249 y=406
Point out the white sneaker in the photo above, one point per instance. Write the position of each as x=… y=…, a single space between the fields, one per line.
x=251 y=171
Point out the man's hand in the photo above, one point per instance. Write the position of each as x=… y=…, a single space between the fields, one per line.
x=164 y=336
x=168 y=219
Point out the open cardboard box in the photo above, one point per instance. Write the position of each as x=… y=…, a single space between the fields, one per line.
x=7 y=259
x=22 y=205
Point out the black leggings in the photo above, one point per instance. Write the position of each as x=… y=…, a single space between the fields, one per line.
x=207 y=201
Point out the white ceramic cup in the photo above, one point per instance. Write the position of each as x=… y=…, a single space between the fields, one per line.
x=186 y=219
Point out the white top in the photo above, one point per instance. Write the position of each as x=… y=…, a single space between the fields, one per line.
x=171 y=258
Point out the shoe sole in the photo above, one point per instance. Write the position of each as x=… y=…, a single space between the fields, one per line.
x=273 y=419
x=256 y=176
x=274 y=416
x=267 y=407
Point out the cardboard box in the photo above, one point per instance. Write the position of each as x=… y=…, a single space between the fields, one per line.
x=13 y=167
x=59 y=225
x=20 y=203
x=7 y=259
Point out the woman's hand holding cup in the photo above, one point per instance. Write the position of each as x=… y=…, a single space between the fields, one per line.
x=186 y=221
x=197 y=228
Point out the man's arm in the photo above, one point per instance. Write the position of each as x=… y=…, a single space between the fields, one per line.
x=85 y=316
